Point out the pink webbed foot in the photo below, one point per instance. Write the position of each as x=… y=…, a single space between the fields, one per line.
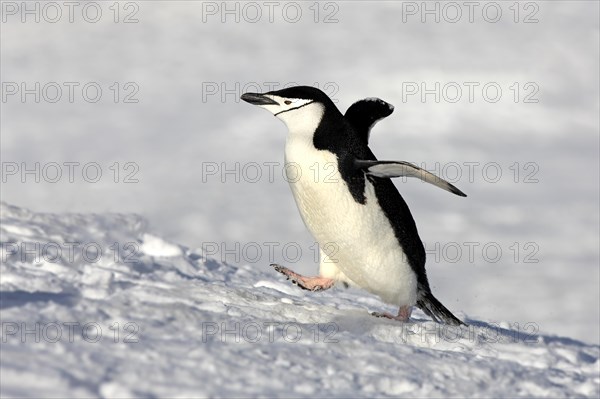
x=307 y=283
x=403 y=314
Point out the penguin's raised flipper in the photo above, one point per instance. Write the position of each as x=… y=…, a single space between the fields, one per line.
x=364 y=114
x=389 y=169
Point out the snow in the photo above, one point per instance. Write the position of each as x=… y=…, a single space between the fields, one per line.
x=155 y=246
x=167 y=321
x=175 y=241
x=543 y=212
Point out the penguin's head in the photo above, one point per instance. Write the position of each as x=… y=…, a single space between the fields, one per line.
x=299 y=107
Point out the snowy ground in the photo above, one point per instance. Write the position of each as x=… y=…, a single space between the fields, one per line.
x=175 y=145
x=163 y=320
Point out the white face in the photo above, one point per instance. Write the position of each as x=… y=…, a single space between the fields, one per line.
x=284 y=104
x=299 y=114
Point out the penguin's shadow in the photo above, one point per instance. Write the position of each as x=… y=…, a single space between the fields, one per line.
x=526 y=334
x=363 y=323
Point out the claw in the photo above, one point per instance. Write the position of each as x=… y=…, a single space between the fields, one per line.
x=379 y=314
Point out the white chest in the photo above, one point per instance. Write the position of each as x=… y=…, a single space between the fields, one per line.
x=360 y=236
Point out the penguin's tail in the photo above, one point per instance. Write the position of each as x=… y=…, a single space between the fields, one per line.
x=434 y=309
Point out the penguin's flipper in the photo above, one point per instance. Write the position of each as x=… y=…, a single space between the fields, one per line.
x=365 y=113
x=389 y=169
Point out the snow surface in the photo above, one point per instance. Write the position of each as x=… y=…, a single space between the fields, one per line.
x=178 y=129
x=163 y=320
x=548 y=283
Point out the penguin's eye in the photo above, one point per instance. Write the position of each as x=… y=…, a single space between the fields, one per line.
x=287 y=102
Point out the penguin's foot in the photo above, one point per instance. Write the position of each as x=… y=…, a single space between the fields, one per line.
x=403 y=314
x=306 y=283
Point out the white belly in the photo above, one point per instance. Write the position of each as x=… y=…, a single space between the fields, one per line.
x=359 y=238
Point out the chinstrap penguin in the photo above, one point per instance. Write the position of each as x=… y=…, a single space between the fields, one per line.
x=348 y=202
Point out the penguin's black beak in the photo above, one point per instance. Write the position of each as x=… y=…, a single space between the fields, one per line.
x=258 y=99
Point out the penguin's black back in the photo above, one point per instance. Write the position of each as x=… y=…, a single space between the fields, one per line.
x=405 y=229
